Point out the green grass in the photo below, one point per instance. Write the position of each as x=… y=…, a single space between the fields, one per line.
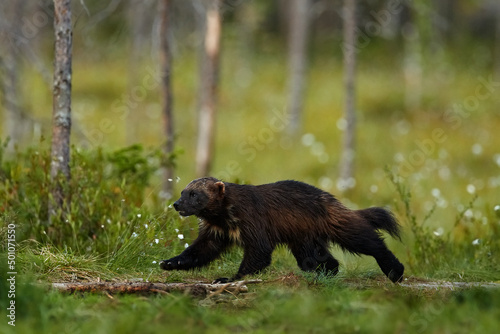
x=303 y=306
x=119 y=227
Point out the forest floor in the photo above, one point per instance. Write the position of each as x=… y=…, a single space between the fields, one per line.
x=287 y=280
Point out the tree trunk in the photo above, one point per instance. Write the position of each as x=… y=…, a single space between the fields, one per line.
x=496 y=61
x=15 y=123
x=412 y=67
x=61 y=113
x=166 y=95
x=350 y=51
x=209 y=73
x=413 y=32
x=140 y=16
x=298 y=24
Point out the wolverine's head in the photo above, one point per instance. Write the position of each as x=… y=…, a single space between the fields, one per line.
x=200 y=196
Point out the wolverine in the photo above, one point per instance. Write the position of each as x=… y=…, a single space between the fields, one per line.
x=292 y=213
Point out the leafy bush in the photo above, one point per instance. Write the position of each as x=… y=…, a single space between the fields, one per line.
x=111 y=193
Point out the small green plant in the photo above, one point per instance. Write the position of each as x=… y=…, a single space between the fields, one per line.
x=426 y=247
x=466 y=250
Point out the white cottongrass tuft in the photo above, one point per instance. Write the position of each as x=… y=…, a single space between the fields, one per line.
x=439 y=232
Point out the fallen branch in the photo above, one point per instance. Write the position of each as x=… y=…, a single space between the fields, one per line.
x=195 y=289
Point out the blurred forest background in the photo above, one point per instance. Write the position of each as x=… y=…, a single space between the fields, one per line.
x=421 y=102
x=382 y=102
x=416 y=61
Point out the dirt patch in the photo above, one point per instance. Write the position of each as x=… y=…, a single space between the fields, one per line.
x=214 y=293
x=437 y=285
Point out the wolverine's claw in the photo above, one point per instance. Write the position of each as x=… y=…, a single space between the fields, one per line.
x=165 y=265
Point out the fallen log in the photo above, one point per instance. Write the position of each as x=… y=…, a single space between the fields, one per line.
x=194 y=289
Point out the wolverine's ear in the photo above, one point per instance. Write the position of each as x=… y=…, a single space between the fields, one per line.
x=221 y=188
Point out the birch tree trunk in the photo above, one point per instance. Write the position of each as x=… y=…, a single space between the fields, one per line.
x=208 y=92
x=142 y=16
x=412 y=67
x=166 y=94
x=350 y=51
x=496 y=62
x=61 y=113
x=297 y=60
x=15 y=124
x=417 y=32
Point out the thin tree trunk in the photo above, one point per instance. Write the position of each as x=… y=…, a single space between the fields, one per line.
x=166 y=95
x=141 y=14
x=412 y=67
x=297 y=60
x=210 y=68
x=350 y=51
x=497 y=43
x=136 y=12
x=61 y=113
x=415 y=33
x=15 y=122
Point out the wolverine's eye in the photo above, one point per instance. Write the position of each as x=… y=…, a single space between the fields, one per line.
x=193 y=194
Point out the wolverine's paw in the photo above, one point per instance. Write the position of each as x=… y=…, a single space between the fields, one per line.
x=222 y=280
x=166 y=265
x=171 y=264
x=179 y=263
x=396 y=275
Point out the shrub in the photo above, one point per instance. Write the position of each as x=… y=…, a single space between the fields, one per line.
x=109 y=194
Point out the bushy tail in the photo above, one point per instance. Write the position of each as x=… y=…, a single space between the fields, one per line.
x=381 y=219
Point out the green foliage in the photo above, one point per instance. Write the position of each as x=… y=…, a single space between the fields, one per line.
x=459 y=251
x=426 y=248
x=110 y=193
x=115 y=190
x=274 y=309
x=116 y=214
x=116 y=226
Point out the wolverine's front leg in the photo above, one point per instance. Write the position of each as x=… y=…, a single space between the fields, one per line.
x=256 y=257
x=185 y=261
x=206 y=248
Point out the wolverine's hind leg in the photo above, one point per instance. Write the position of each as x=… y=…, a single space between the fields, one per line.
x=390 y=265
x=315 y=256
x=370 y=243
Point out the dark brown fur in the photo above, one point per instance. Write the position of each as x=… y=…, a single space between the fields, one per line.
x=258 y=218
